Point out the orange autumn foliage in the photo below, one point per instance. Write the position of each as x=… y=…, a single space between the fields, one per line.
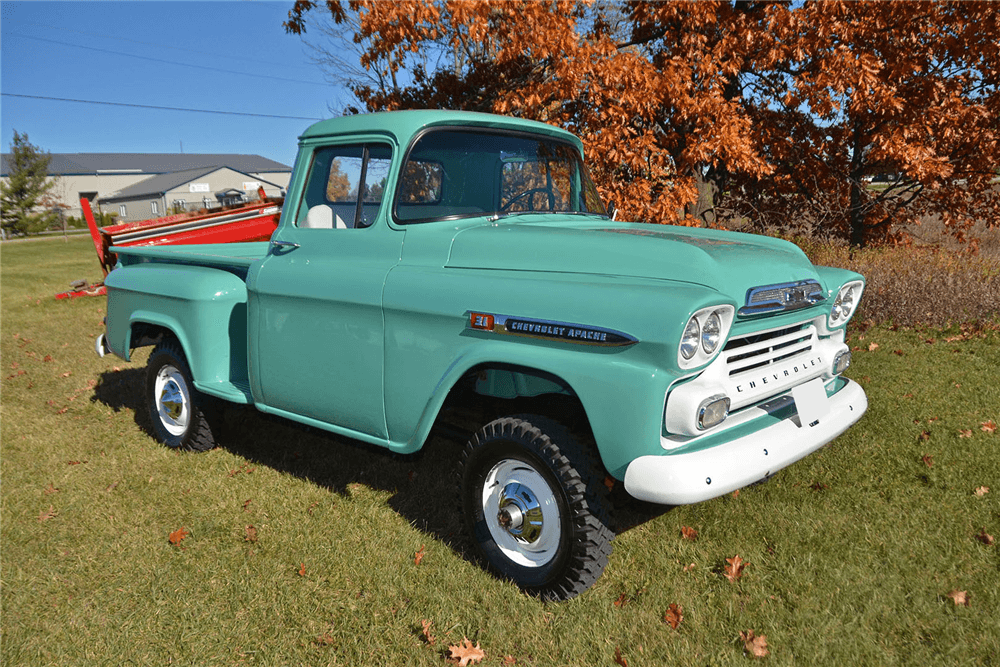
x=692 y=113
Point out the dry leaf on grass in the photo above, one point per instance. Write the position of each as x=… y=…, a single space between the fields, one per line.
x=48 y=514
x=619 y=660
x=755 y=645
x=689 y=533
x=50 y=489
x=246 y=505
x=960 y=598
x=251 y=534
x=872 y=347
x=985 y=537
x=928 y=460
x=419 y=555
x=965 y=433
x=734 y=569
x=988 y=426
x=178 y=535
x=465 y=653
x=981 y=491
x=302 y=569
x=674 y=615
x=426 y=632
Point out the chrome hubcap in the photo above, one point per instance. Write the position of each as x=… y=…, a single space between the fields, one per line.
x=522 y=513
x=519 y=513
x=173 y=400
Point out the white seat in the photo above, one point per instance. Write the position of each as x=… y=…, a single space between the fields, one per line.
x=322 y=217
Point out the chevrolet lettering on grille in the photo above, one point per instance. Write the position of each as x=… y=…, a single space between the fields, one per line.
x=807 y=366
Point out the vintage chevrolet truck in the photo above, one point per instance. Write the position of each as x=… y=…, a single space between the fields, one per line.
x=427 y=259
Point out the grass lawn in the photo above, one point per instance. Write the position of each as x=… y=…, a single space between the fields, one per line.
x=852 y=553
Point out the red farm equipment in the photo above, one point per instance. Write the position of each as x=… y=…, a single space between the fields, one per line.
x=250 y=222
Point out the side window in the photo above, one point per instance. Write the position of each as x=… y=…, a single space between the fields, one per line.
x=345 y=186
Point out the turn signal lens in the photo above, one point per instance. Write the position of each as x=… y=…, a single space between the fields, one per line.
x=713 y=411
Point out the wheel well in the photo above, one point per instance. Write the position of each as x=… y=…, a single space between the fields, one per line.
x=490 y=391
x=144 y=334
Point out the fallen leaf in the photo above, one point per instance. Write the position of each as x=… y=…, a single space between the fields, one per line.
x=246 y=505
x=66 y=374
x=928 y=460
x=75 y=463
x=419 y=556
x=48 y=357
x=111 y=487
x=985 y=537
x=924 y=435
x=755 y=645
x=688 y=568
x=734 y=570
x=50 y=489
x=965 y=433
x=465 y=653
x=872 y=347
x=819 y=486
x=48 y=514
x=930 y=341
x=609 y=482
x=244 y=468
x=989 y=426
x=958 y=385
x=251 y=534
x=981 y=490
x=302 y=569
x=622 y=599
x=426 y=632
x=674 y=615
x=898 y=352
x=311 y=507
x=689 y=533
x=178 y=535
x=736 y=493
x=619 y=659
x=324 y=640
x=960 y=598
x=510 y=660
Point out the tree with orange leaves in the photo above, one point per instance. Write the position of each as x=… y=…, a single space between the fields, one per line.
x=776 y=113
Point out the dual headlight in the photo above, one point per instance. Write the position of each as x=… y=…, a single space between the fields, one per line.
x=846 y=303
x=703 y=335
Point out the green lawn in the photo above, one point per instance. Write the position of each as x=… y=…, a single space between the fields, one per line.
x=852 y=552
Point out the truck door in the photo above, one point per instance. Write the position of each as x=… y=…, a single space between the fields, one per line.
x=315 y=305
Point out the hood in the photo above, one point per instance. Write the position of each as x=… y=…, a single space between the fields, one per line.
x=728 y=262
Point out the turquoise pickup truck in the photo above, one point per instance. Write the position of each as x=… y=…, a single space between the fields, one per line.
x=431 y=260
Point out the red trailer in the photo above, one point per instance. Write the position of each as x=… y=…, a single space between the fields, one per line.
x=251 y=222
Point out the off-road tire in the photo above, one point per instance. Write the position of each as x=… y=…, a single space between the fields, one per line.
x=573 y=543
x=182 y=416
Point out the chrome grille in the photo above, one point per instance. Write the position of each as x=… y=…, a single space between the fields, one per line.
x=760 y=350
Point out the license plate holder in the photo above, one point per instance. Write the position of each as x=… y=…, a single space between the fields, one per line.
x=811 y=402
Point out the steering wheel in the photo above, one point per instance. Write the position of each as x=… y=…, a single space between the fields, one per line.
x=527 y=193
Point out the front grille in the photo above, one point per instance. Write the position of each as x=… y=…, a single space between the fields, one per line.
x=760 y=350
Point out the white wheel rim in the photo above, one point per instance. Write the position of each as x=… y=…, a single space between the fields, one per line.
x=173 y=400
x=533 y=539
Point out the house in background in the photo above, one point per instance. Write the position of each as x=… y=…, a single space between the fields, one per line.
x=189 y=190
x=94 y=176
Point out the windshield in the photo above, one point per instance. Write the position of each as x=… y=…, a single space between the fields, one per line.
x=452 y=174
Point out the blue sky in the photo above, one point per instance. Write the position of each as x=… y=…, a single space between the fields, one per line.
x=223 y=56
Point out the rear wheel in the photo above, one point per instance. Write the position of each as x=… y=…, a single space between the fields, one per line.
x=536 y=506
x=179 y=412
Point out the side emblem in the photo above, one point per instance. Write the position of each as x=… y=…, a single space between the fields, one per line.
x=548 y=330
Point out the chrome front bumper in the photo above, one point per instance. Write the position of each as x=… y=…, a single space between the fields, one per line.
x=681 y=479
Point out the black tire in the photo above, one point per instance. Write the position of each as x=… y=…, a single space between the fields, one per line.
x=535 y=504
x=179 y=412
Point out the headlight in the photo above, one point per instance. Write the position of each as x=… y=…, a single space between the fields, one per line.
x=689 y=341
x=846 y=303
x=710 y=333
x=704 y=335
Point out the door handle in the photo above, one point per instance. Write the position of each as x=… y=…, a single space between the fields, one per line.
x=281 y=246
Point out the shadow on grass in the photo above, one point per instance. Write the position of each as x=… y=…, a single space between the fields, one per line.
x=423 y=485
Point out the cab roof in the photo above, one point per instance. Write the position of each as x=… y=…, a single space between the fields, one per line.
x=403 y=125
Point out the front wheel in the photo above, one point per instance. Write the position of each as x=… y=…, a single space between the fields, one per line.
x=536 y=506
x=179 y=412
